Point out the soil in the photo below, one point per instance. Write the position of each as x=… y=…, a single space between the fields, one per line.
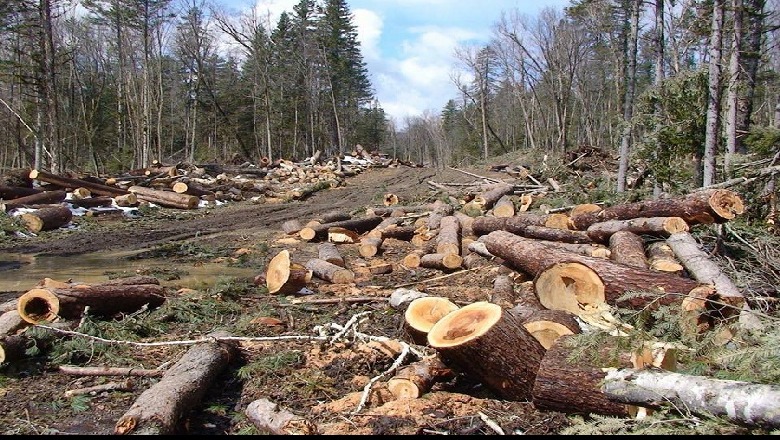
x=321 y=381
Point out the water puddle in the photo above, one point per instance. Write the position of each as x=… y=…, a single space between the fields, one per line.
x=19 y=273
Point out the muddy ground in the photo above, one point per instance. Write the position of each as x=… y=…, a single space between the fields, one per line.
x=324 y=382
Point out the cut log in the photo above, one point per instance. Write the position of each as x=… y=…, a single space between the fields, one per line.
x=654 y=226
x=388 y=210
x=628 y=248
x=65 y=182
x=270 y=419
x=126 y=200
x=291 y=227
x=387 y=222
x=403 y=233
x=92 y=202
x=380 y=268
x=370 y=246
x=40 y=198
x=490 y=345
x=445 y=262
x=421 y=315
x=104 y=299
x=488 y=198
x=706 y=206
x=738 y=401
x=330 y=272
x=504 y=207
x=168 y=199
x=587 y=249
x=159 y=409
x=357 y=225
x=390 y=199
x=559 y=235
x=14 y=192
x=564 y=279
x=416 y=379
x=46 y=219
x=584 y=208
x=518 y=223
x=448 y=240
x=342 y=235
x=661 y=257
x=81 y=193
x=704 y=270
x=191 y=188
x=329 y=252
x=440 y=210
x=284 y=276
x=466 y=223
x=503 y=292
x=549 y=325
x=11 y=322
x=412 y=259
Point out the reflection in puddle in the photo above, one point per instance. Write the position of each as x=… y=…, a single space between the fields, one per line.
x=19 y=273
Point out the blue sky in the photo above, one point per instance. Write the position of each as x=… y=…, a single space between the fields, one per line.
x=408 y=45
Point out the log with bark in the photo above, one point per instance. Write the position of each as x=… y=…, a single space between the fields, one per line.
x=14 y=192
x=167 y=199
x=40 y=198
x=357 y=225
x=13 y=348
x=573 y=384
x=628 y=248
x=448 y=240
x=518 y=223
x=416 y=379
x=47 y=218
x=661 y=257
x=404 y=209
x=547 y=325
x=654 y=226
x=271 y=419
x=741 y=402
x=445 y=262
x=707 y=206
x=329 y=252
x=503 y=292
x=284 y=276
x=504 y=207
x=330 y=272
x=703 y=269
x=564 y=280
x=558 y=235
x=161 y=408
x=66 y=182
x=491 y=345
x=123 y=295
x=370 y=246
x=92 y=202
x=487 y=199
x=11 y=322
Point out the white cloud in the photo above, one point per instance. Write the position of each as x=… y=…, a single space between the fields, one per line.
x=369 y=28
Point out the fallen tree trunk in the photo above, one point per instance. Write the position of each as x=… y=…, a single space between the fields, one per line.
x=448 y=240
x=628 y=248
x=105 y=299
x=741 y=402
x=704 y=270
x=708 y=206
x=656 y=226
x=357 y=225
x=14 y=192
x=39 y=198
x=330 y=272
x=159 y=409
x=329 y=252
x=168 y=199
x=46 y=219
x=564 y=279
x=65 y=182
x=492 y=346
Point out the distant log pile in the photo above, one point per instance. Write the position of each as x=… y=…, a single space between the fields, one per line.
x=180 y=186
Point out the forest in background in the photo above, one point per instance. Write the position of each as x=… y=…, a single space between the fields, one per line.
x=105 y=85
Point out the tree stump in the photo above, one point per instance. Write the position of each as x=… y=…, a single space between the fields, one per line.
x=285 y=277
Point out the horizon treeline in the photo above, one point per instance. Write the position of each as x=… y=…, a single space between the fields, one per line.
x=106 y=85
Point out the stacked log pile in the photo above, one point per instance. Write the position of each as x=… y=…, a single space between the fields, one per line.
x=41 y=199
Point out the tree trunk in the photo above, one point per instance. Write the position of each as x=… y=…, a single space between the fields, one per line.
x=448 y=240
x=628 y=248
x=44 y=304
x=735 y=83
x=492 y=346
x=655 y=226
x=330 y=272
x=713 y=99
x=740 y=402
x=65 y=182
x=159 y=410
x=357 y=225
x=41 y=198
x=414 y=380
x=705 y=206
x=630 y=55
x=168 y=199
x=329 y=252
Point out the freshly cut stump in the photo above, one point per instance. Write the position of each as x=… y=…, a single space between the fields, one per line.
x=491 y=345
x=566 y=286
x=423 y=313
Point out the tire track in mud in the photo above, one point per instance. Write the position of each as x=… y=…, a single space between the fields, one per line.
x=235 y=218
